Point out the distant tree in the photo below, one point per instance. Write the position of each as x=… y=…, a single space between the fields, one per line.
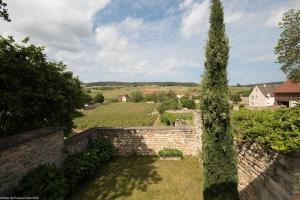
x=187 y=102
x=88 y=91
x=168 y=104
x=288 y=46
x=137 y=96
x=35 y=92
x=3 y=11
x=99 y=98
x=236 y=98
x=218 y=153
x=238 y=85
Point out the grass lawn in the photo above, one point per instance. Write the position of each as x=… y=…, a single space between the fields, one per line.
x=145 y=178
x=117 y=115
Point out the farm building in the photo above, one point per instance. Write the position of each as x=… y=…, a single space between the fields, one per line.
x=287 y=94
x=123 y=98
x=262 y=95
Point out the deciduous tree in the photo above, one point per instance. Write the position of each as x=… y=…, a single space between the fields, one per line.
x=288 y=46
x=34 y=92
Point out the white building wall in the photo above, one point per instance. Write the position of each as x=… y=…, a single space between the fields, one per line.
x=258 y=99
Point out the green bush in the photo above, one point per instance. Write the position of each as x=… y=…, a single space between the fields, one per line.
x=170 y=118
x=188 y=103
x=273 y=129
x=45 y=182
x=166 y=152
x=80 y=166
x=99 y=98
x=137 y=96
x=169 y=104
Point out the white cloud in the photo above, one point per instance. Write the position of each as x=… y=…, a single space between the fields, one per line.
x=195 y=20
x=275 y=18
x=55 y=23
x=232 y=17
x=261 y=58
x=185 y=4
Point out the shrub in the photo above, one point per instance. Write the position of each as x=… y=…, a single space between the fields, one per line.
x=170 y=118
x=272 y=129
x=99 y=98
x=169 y=104
x=166 y=152
x=136 y=96
x=188 y=103
x=236 y=98
x=80 y=166
x=45 y=182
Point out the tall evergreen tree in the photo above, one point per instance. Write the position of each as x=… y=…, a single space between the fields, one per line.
x=219 y=156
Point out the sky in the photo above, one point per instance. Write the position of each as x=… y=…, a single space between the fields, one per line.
x=150 y=40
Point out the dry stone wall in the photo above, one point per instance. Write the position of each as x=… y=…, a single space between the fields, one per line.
x=139 y=141
x=262 y=175
x=21 y=153
x=267 y=175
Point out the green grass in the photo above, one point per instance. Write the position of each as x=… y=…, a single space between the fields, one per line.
x=113 y=92
x=117 y=115
x=145 y=178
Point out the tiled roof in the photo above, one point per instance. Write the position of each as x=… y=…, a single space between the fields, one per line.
x=267 y=89
x=288 y=87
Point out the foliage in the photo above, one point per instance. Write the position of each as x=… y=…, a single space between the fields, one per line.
x=88 y=99
x=3 y=11
x=170 y=118
x=273 y=129
x=168 y=104
x=187 y=102
x=236 y=98
x=219 y=157
x=34 y=92
x=118 y=115
x=136 y=96
x=99 y=98
x=80 y=166
x=288 y=46
x=167 y=152
x=45 y=182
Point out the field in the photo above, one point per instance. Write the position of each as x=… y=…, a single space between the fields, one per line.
x=117 y=115
x=145 y=178
x=111 y=92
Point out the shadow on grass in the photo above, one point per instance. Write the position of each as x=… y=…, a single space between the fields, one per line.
x=120 y=178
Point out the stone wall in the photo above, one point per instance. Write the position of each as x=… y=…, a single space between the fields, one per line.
x=139 y=140
x=23 y=152
x=267 y=175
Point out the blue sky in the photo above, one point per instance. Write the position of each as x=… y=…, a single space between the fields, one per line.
x=150 y=40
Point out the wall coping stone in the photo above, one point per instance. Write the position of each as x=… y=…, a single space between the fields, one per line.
x=14 y=140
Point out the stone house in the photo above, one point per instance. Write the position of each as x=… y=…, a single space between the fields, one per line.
x=262 y=95
x=123 y=98
x=287 y=94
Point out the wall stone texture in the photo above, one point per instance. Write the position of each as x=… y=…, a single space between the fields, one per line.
x=267 y=175
x=263 y=175
x=22 y=153
x=139 y=141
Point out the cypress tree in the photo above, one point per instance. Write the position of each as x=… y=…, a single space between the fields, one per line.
x=219 y=156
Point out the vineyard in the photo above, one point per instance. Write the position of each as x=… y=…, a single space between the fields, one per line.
x=117 y=115
x=272 y=129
